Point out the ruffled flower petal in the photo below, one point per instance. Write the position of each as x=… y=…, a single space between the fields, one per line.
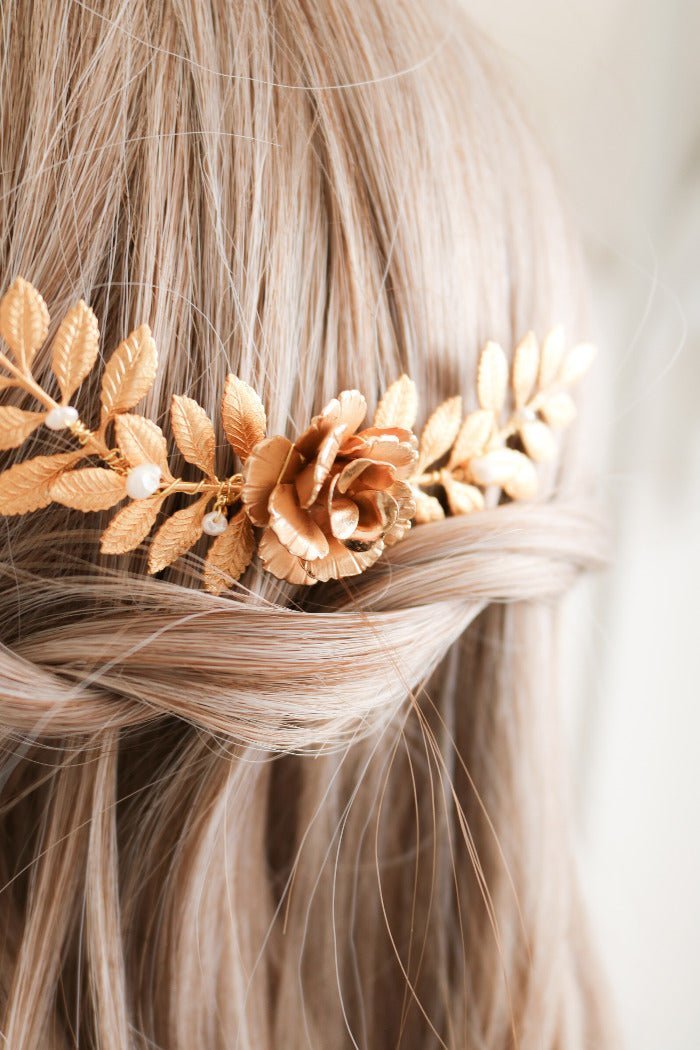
x=344 y=515
x=373 y=475
x=294 y=527
x=321 y=425
x=271 y=460
x=378 y=513
x=342 y=561
x=310 y=481
x=353 y=409
x=276 y=559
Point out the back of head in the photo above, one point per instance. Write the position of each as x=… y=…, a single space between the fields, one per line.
x=284 y=817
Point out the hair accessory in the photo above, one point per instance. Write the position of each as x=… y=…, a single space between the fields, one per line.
x=327 y=504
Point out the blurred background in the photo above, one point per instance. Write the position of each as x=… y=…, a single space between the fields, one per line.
x=613 y=89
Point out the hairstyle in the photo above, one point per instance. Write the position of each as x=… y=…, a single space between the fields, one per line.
x=287 y=818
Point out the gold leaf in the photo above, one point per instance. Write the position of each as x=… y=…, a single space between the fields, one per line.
x=141 y=440
x=93 y=488
x=75 y=348
x=522 y=484
x=26 y=486
x=24 y=320
x=558 y=409
x=538 y=440
x=230 y=554
x=194 y=433
x=428 y=508
x=463 y=499
x=243 y=416
x=130 y=372
x=552 y=355
x=577 y=362
x=496 y=467
x=473 y=437
x=399 y=406
x=176 y=535
x=439 y=432
x=507 y=467
x=16 y=425
x=492 y=381
x=526 y=362
x=130 y=525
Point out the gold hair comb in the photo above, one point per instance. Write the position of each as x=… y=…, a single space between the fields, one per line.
x=327 y=504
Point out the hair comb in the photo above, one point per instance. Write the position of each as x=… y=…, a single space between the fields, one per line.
x=322 y=507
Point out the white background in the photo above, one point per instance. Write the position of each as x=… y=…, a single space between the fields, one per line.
x=613 y=88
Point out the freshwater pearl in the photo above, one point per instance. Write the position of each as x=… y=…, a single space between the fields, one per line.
x=214 y=523
x=61 y=417
x=143 y=481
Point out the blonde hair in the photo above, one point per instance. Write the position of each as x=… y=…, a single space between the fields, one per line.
x=287 y=818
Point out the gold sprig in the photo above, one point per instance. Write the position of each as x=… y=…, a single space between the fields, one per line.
x=328 y=504
x=483 y=449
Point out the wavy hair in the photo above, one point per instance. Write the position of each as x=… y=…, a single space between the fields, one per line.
x=287 y=818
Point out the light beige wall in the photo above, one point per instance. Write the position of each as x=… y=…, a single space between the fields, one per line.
x=614 y=90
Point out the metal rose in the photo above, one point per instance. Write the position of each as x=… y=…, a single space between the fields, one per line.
x=330 y=502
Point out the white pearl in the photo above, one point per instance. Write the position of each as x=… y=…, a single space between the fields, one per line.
x=61 y=417
x=214 y=523
x=143 y=481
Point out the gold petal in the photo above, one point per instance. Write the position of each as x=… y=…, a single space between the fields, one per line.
x=24 y=320
x=526 y=366
x=399 y=406
x=462 y=498
x=141 y=440
x=378 y=512
x=538 y=440
x=266 y=465
x=312 y=477
x=341 y=561
x=26 y=486
x=387 y=448
x=353 y=409
x=492 y=380
x=473 y=437
x=93 y=488
x=230 y=554
x=243 y=416
x=194 y=433
x=294 y=527
x=440 y=432
x=374 y=475
x=130 y=525
x=404 y=496
x=398 y=432
x=428 y=508
x=75 y=348
x=344 y=516
x=177 y=535
x=523 y=482
x=276 y=559
x=558 y=409
x=130 y=372
x=317 y=429
x=16 y=425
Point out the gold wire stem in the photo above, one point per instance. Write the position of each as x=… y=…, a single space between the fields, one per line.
x=111 y=456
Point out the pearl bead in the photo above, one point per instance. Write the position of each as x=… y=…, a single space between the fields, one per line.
x=214 y=523
x=143 y=481
x=61 y=417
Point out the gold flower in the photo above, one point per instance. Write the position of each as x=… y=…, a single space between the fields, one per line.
x=332 y=501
